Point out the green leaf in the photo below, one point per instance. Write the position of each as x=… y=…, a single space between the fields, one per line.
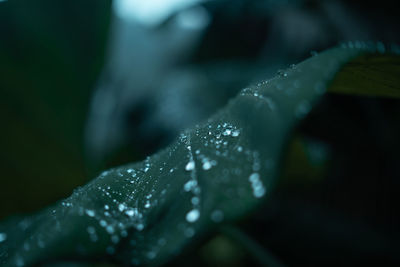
x=45 y=89
x=375 y=75
x=218 y=172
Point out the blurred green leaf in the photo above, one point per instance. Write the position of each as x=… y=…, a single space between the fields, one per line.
x=50 y=56
x=374 y=75
x=218 y=172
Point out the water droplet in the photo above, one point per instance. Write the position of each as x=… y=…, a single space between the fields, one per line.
x=115 y=239
x=19 y=262
x=103 y=223
x=189 y=232
x=3 y=237
x=110 y=229
x=189 y=185
x=302 y=109
x=235 y=133
x=190 y=166
x=193 y=215
x=90 y=213
x=254 y=177
x=227 y=132
x=151 y=255
x=147 y=205
x=217 y=216
x=195 y=200
x=207 y=165
x=91 y=230
x=162 y=242
x=27 y=247
x=121 y=207
x=133 y=213
x=40 y=243
x=256 y=184
x=282 y=73
x=139 y=227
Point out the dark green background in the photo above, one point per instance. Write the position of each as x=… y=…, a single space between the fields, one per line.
x=51 y=53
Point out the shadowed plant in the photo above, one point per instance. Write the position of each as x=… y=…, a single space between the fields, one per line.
x=220 y=171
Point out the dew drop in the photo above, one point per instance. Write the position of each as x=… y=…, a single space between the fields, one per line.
x=282 y=73
x=90 y=213
x=91 y=230
x=302 y=109
x=151 y=255
x=207 y=164
x=19 y=262
x=190 y=166
x=110 y=229
x=139 y=227
x=3 y=237
x=227 y=132
x=217 y=216
x=27 y=247
x=130 y=212
x=235 y=133
x=121 y=207
x=162 y=242
x=256 y=184
x=189 y=185
x=193 y=215
x=254 y=177
x=189 y=232
x=195 y=200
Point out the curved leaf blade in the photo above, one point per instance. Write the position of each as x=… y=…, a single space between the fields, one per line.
x=218 y=172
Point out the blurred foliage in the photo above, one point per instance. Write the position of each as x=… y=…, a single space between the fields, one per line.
x=361 y=75
x=50 y=56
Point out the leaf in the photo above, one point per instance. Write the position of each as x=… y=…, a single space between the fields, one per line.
x=218 y=172
x=375 y=75
x=46 y=81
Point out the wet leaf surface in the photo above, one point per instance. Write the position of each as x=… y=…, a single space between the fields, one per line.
x=214 y=174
